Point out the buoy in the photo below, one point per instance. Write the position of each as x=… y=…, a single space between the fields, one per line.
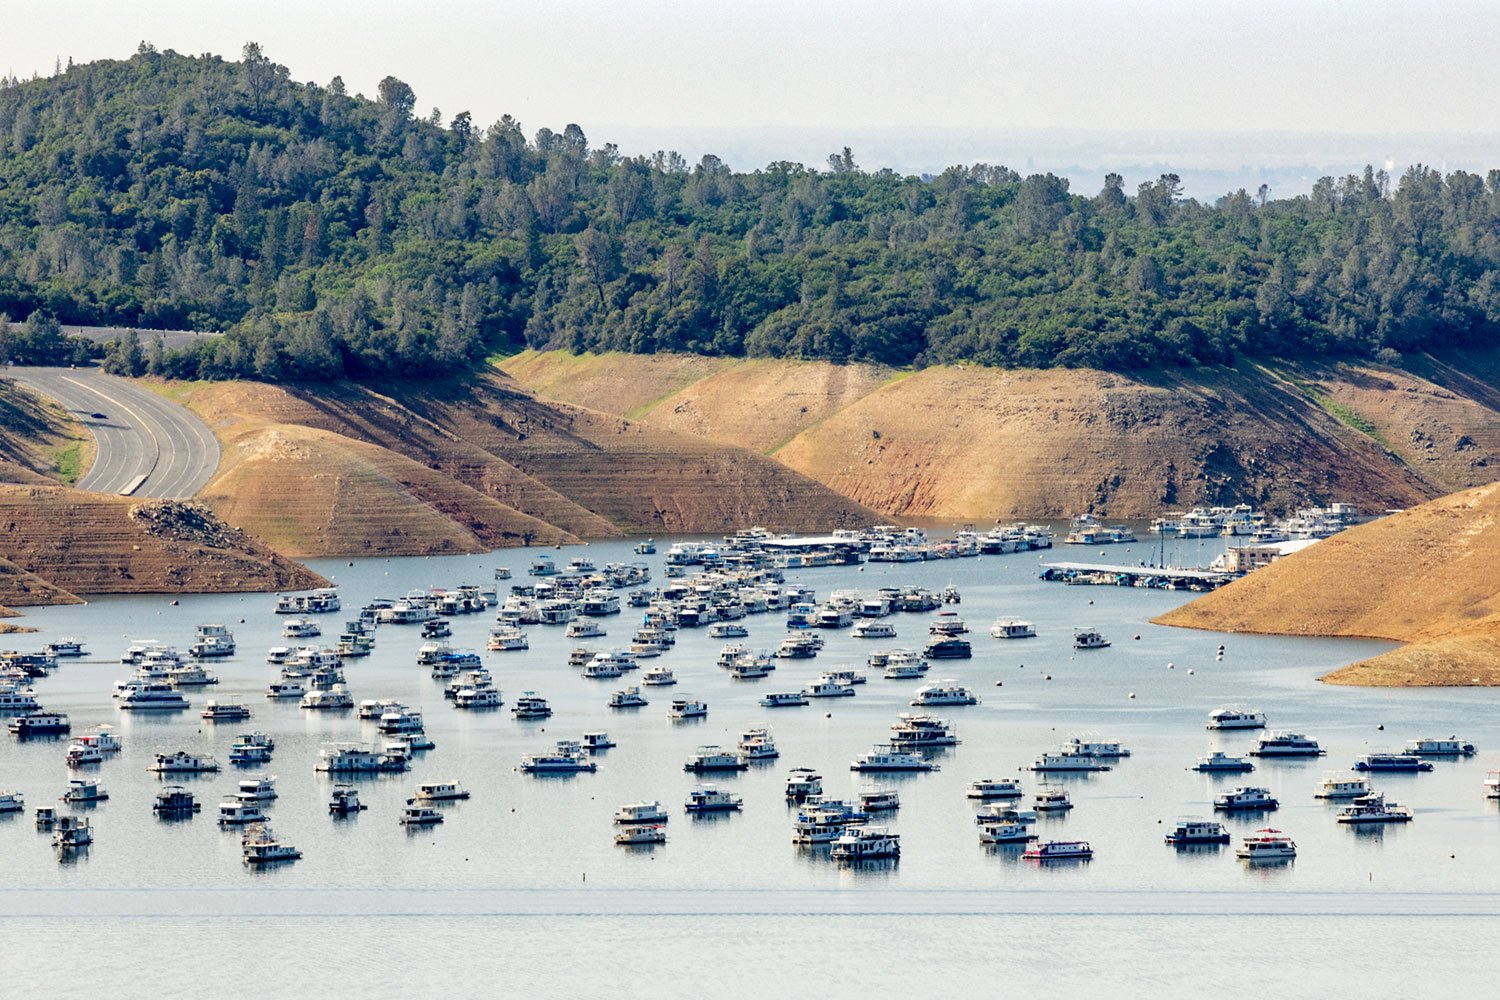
x=999 y=684
x=1091 y=600
x=1170 y=664
x=174 y=603
x=1137 y=638
x=1190 y=673
x=1046 y=677
x=827 y=715
x=1132 y=695
x=1381 y=727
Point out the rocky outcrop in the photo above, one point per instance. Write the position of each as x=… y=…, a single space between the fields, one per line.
x=60 y=542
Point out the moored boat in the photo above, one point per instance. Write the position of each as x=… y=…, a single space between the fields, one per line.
x=802 y=783
x=628 y=698
x=687 y=708
x=175 y=801
x=1286 y=744
x=712 y=758
x=632 y=813
x=1266 y=845
x=1246 y=799
x=945 y=692
x=1433 y=747
x=1374 y=809
x=415 y=815
x=885 y=758
x=1003 y=832
x=1059 y=850
x=1235 y=717
x=1339 y=787
x=345 y=801
x=530 y=705
x=1088 y=638
x=1197 y=831
x=72 y=832
x=638 y=836
x=867 y=843
x=711 y=799
x=986 y=789
x=182 y=762
x=260 y=847
x=1395 y=762
x=1013 y=628
x=1219 y=762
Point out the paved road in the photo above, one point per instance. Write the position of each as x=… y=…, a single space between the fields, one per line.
x=148 y=445
x=173 y=340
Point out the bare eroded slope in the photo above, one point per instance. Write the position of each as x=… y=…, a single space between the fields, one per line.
x=972 y=443
x=468 y=466
x=57 y=542
x=1426 y=576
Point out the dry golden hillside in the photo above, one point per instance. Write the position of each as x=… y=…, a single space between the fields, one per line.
x=467 y=466
x=305 y=491
x=971 y=443
x=758 y=403
x=1426 y=576
x=57 y=542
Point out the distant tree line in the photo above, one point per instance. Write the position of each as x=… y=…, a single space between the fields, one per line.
x=332 y=235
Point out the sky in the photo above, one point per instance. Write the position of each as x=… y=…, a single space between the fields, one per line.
x=934 y=71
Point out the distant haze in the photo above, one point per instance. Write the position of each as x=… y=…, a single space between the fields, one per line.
x=1209 y=163
x=1225 y=94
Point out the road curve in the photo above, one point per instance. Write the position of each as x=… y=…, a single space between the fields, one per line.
x=142 y=438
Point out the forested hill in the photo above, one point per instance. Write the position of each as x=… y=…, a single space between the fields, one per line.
x=336 y=235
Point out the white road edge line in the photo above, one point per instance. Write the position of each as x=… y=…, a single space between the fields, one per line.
x=155 y=444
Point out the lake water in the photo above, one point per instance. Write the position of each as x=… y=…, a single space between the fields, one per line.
x=524 y=886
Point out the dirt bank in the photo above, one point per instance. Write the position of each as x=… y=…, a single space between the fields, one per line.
x=1425 y=577
x=34 y=433
x=404 y=468
x=56 y=543
x=969 y=443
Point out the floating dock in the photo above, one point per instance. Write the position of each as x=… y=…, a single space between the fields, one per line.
x=1160 y=577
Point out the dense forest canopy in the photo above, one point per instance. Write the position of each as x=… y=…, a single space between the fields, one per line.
x=332 y=235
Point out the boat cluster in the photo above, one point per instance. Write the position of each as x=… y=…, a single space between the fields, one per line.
x=1242 y=520
x=850 y=546
x=713 y=587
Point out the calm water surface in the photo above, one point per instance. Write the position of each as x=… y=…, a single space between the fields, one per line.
x=524 y=885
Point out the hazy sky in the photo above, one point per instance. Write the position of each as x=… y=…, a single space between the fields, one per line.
x=617 y=67
x=1151 y=64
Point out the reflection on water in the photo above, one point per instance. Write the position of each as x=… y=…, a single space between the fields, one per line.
x=523 y=843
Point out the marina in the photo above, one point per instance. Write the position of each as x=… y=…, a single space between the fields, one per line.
x=1045 y=697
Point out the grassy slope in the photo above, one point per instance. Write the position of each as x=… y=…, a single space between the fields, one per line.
x=39 y=441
